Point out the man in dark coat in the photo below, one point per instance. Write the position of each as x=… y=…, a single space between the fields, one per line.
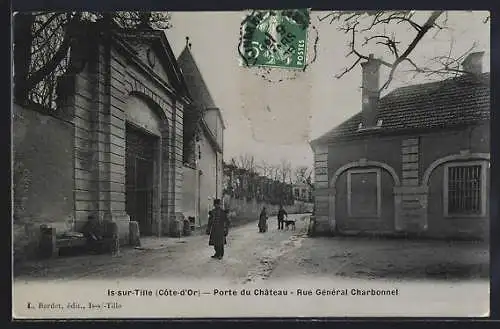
x=281 y=217
x=218 y=226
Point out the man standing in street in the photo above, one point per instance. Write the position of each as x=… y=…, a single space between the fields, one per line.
x=218 y=226
x=281 y=217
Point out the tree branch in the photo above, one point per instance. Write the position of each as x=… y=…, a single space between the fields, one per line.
x=41 y=28
x=338 y=76
x=368 y=23
x=425 y=28
x=35 y=77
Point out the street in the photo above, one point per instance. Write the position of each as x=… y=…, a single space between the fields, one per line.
x=252 y=256
x=424 y=275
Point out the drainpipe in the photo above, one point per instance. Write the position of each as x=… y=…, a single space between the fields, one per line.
x=216 y=164
x=216 y=175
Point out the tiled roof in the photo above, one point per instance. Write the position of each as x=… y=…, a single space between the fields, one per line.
x=446 y=103
x=194 y=80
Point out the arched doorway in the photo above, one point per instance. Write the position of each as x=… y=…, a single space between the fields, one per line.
x=143 y=166
x=361 y=197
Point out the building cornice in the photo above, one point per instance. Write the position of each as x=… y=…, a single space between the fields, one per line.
x=132 y=56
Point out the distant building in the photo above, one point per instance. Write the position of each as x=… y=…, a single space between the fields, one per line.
x=203 y=144
x=416 y=161
x=302 y=192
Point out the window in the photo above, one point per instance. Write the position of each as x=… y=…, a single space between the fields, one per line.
x=363 y=193
x=465 y=189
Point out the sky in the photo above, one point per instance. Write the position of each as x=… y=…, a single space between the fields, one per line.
x=274 y=121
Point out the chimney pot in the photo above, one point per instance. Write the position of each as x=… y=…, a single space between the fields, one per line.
x=473 y=63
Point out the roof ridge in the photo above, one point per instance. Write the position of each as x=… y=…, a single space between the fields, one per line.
x=420 y=107
x=199 y=75
x=456 y=78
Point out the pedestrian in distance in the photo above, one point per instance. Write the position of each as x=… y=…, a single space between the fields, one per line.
x=263 y=220
x=281 y=217
x=218 y=228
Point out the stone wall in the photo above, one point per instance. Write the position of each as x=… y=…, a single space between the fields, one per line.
x=190 y=192
x=42 y=176
x=209 y=178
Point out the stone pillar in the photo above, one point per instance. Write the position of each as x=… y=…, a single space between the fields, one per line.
x=176 y=170
x=324 y=217
x=110 y=138
x=80 y=86
x=411 y=208
x=97 y=110
x=47 y=243
x=410 y=199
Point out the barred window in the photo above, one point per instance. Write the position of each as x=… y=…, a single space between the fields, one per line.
x=465 y=189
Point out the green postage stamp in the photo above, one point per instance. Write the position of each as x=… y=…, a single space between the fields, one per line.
x=274 y=38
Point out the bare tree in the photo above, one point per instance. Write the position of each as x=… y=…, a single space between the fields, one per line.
x=275 y=172
x=265 y=169
x=247 y=175
x=285 y=171
x=303 y=174
x=374 y=29
x=246 y=162
x=42 y=43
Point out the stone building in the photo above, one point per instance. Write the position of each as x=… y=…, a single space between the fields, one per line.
x=302 y=191
x=416 y=161
x=203 y=144
x=121 y=145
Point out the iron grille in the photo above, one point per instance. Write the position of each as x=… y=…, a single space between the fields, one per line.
x=464 y=190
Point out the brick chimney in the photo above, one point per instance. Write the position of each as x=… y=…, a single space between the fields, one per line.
x=473 y=63
x=370 y=91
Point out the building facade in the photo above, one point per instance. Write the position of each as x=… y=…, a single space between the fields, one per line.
x=302 y=192
x=128 y=113
x=414 y=162
x=123 y=98
x=204 y=144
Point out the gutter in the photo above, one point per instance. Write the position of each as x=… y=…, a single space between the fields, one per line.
x=392 y=132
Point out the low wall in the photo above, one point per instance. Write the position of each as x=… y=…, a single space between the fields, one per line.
x=42 y=177
x=241 y=210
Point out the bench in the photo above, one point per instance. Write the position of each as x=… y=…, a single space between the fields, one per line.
x=50 y=244
x=70 y=245
x=62 y=242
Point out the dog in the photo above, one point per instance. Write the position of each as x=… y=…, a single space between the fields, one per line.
x=289 y=223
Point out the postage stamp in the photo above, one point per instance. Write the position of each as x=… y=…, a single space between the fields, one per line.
x=275 y=38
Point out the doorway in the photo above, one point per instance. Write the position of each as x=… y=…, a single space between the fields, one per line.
x=140 y=168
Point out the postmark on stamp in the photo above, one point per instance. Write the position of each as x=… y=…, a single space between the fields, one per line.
x=275 y=38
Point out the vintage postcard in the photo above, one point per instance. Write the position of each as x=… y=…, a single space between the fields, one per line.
x=258 y=163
